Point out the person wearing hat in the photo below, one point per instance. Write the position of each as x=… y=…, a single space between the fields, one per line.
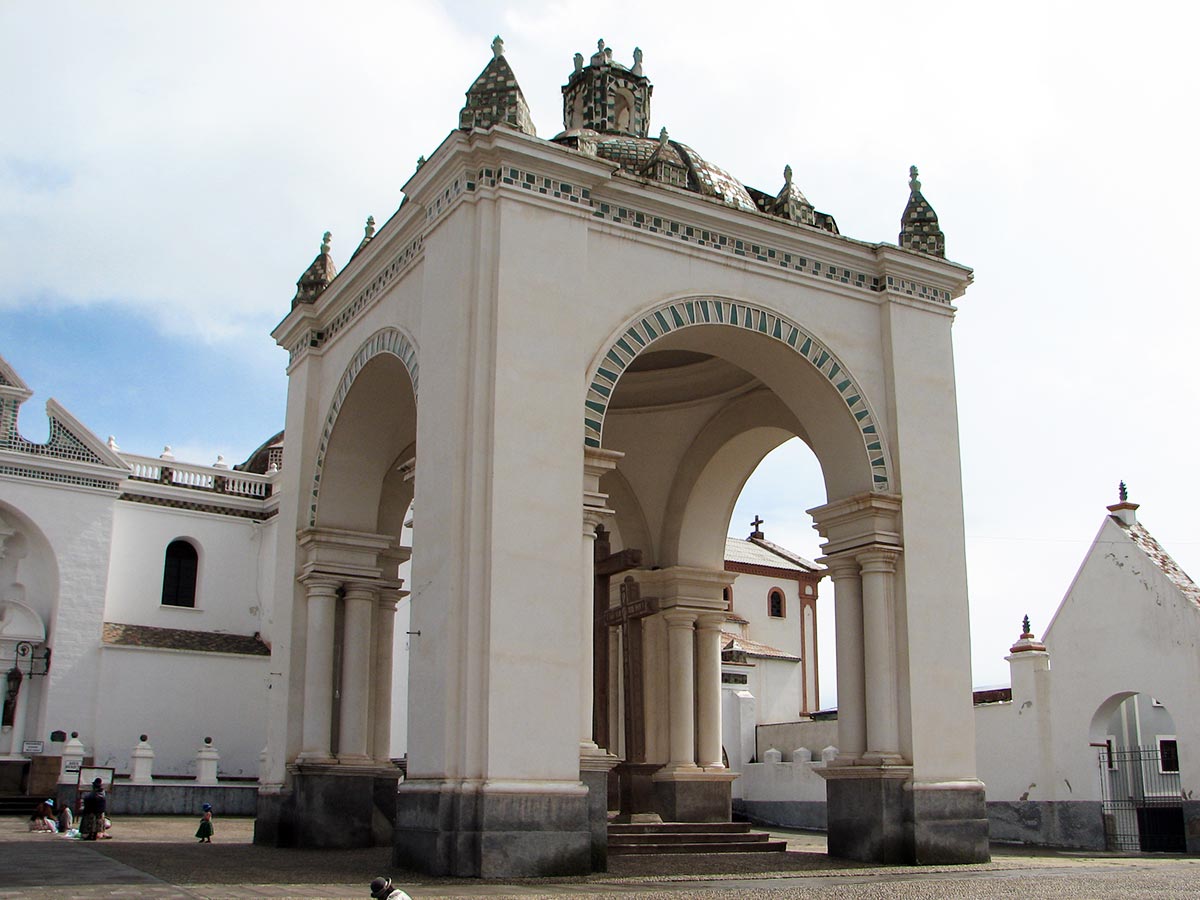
x=205 y=831
x=381 y=889
x=43 y=818
x=95 y=805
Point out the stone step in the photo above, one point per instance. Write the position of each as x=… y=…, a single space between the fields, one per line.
x=744 y=847
x=680 y=828
x=689 y=837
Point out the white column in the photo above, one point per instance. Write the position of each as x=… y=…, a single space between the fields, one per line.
x=879 y=645
x=591 y=518
x=851 y=677
x=681 y=670
x=321 y=600
x=353 y=735
x=385 y=635
x=708 y=691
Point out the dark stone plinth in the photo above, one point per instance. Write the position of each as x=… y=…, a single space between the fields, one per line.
x=636 y=789
x=867 y=811
x=949 y=824
x=1074 y=824
x=445 y=830
x=694 y=800
x=1191 y=826
x=329 y=807
x=597 y=806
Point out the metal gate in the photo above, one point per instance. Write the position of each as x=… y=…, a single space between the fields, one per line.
x=1143 y=803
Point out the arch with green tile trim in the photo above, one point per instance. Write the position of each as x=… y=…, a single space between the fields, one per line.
x=645 y=329
x=386 y=340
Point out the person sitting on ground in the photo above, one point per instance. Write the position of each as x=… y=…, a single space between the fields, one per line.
x=95 y=805
x=381 y=889
x=66 y=819
x=43 y=818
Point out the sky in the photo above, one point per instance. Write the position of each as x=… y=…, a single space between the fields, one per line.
x=167 y=170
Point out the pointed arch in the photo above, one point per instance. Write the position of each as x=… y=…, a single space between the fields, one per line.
x=389 y=340
x=644 y=329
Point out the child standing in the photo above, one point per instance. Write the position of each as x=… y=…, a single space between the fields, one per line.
x=205 y=831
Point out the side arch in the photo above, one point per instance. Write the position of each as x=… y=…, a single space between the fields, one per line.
x=389 y=340
x=643 y=330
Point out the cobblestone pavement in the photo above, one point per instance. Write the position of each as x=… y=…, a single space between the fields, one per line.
x=157 y=857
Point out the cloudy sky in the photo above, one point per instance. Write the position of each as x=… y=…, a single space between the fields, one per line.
x=166 y=172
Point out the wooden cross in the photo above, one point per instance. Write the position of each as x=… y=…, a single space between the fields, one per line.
x=606 y=564
x=633 y=608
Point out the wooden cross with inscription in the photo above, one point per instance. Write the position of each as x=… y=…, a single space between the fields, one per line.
x=634 y=607
x=607 y=564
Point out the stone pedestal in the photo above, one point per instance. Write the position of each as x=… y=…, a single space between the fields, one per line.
x=469 y=830
x=694 y=797
x=594 y=771
x=877 y=814
x=329 y=807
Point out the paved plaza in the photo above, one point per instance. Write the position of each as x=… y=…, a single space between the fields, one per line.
x=157 y=857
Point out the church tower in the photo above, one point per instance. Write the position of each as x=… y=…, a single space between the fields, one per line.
x=607 y=97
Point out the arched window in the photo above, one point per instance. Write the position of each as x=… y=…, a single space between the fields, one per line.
x=179 y=575
x=775 y=604
x=729 y=597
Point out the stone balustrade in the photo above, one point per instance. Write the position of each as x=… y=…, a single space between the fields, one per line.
x=199 y=478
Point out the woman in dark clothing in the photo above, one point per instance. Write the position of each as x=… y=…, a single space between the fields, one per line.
x=95 y=805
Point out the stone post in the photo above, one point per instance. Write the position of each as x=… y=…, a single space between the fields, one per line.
x=72 y=759
x=680 y=628
x=879 y=645
x=353 y=737
x=851 y=676
x=143 y=762
x=318 y=671
x=207 y=758
x=708 y=690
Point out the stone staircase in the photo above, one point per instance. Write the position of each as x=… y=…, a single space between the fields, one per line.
x=18 y=804
x=689 y=837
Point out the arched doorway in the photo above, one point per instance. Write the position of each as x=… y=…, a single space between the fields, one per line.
x=1138 y=767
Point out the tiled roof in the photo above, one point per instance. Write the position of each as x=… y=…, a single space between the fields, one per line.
x=180 y=639
x=753 y=648
x=759 y=552
x=1161 y=558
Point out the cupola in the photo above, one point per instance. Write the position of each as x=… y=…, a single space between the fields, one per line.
x=606 y=96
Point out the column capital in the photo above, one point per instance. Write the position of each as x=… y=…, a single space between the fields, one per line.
x=677 y=617
x=361 y=590
x=317 y=583
x=841 y=566
x=710 y=621
x=878 y=559
x=386 y=603
x=593 y=516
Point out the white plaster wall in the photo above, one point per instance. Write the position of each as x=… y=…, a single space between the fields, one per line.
x=782 y=781
x=77 y=523
x=178 y=698
x=750 y=602
x=230 y=593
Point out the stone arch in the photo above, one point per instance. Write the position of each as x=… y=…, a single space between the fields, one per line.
x=644 y=329
x=389 y=340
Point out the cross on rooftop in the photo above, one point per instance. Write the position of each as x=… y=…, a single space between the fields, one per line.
x=756 y=533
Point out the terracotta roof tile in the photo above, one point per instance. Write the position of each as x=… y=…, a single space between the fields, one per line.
x=180 y=639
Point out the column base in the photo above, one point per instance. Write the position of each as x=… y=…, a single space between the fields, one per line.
x=468 y=830
x=877 y=814
x=594 y=767
x=694 y=795
x=329 y=807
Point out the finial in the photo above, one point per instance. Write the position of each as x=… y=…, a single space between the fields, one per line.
x=369 y=231
x=1123 y=492
x=662 y=136
x=220 y=463
x=497 y=47
x=112 y=444
x=637 y=60
x=578 y=62
x=325 y=243
x=1025 y=626
x=166 y=454
x=913 y=184
x=420 y=161
x=600 y=46
x=787 y=176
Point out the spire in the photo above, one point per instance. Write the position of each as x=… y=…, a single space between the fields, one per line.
x=495 y=98
x=919 y=227
x=368 y=233
x=1124 y=511
x=1027 y=641
x=792 y=204
x=665 y=164
x=317 y=276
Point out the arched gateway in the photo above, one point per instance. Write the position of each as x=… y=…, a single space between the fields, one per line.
x=568 y=581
